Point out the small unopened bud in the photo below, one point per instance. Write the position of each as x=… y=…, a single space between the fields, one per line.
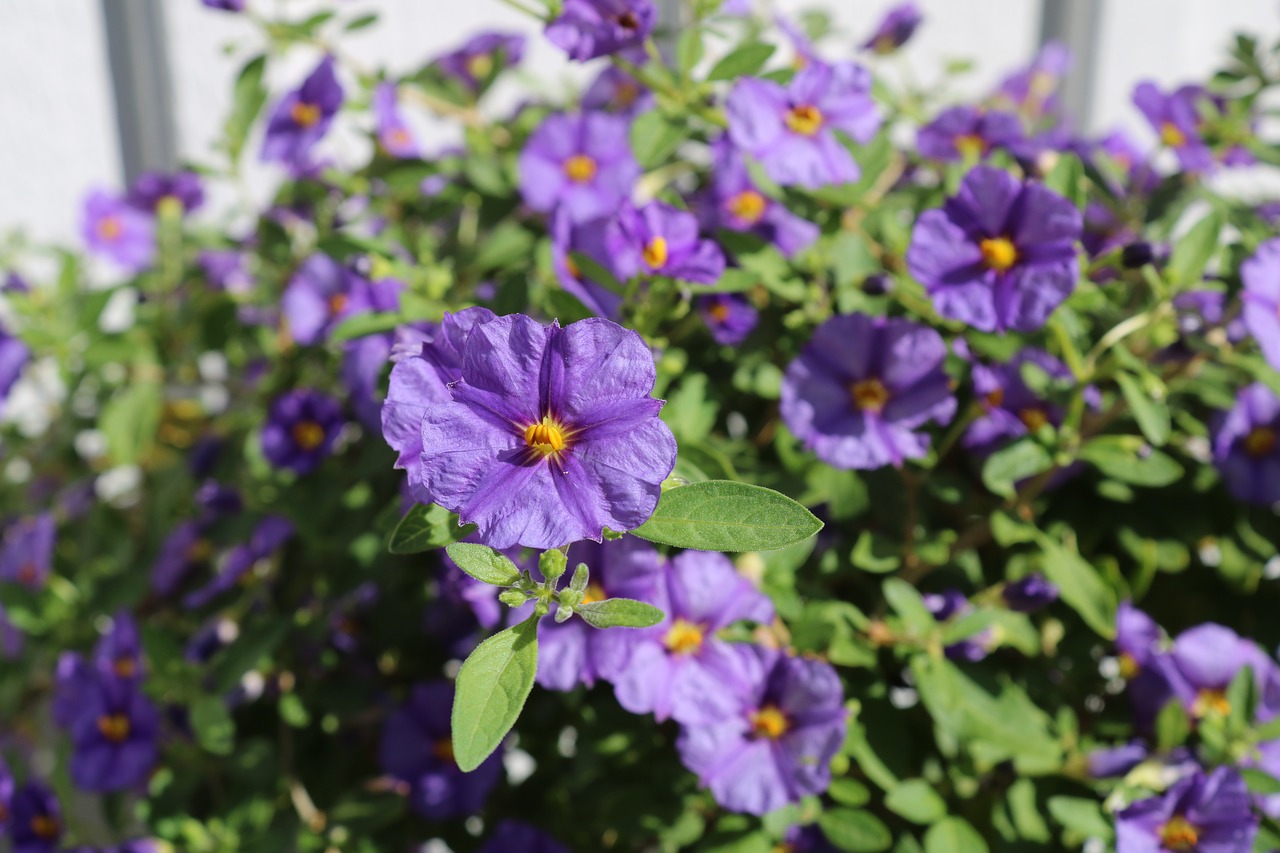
x=512 y=597
x=1137 y=255
x=877 y=284
x=563 y=613
x=541 y=608
x=552 y=564
x=581 y=577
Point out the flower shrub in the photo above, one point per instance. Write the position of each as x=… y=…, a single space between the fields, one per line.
x=735 y=455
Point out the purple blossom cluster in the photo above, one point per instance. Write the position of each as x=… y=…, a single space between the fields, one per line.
x=122 y=229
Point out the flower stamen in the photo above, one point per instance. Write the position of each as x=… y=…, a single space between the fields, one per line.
x=804 y=119
x=998 y=253
x=580 y=168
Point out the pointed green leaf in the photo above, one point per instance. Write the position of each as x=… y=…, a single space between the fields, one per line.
x=1082 y=588
x=855 y=830
x=721 y=515
x=1151 y=415
x=492 y=687
x=425 y=528
x=1020 y=460
x=953 y=835
x=654 y=139
x=1192 y=252
x=213 y=726
x=742 y=62
x=483 y=563
x=917 y=801
x=619 y=613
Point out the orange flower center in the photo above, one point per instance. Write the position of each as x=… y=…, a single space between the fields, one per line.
x=304 y=114
x=655 y=253
x=769 y=722
x=998 y=253
x=869 y=395
x=443 y=750
x=593 y=593
x=1260 y=441
x=400 y=137
x=1033 y=417
x=1211 y=700
x=1178 y=834
x=804 y=119
x=337 y=303
x=546 y=437
x=480 y=66
x=110 y=228
x=683 y=637
x=124 y=667
x=308 y=435
x=747 y=205
x=114 y=727
x=719 y=312
x=199 y=551
x=44 y=826
x=580 y=168
x=27 y=573
x=995 y=398
x=1172 y=135
x=571 y=266
x=970 y=145
x=626 y=94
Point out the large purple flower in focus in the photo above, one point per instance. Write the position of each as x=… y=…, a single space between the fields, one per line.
x=778 y=744
x=35 y=822
x=580 y=163
x=1246 y=446
x=114 y=736
x=474 y=63
x=1261 y=275
x=897 y=26
x=1175 y=117
x=967 y=133
x=659 y=239
x=1205 y=813
x=27 y=555
x=586 y=29
x=791 y=130
x=736 y=203
x=116 y=230
x=303 y=116
x=680 y=668
x=417 y=749
x=999 y=255
x=551 y=435
x=301 y=429
x=861 y=388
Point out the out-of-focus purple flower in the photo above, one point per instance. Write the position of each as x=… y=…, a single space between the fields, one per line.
x=659 y=239
x=153 y=189
x=1116 y=761
x=225 y=5
x=863 y=386
x=424 y=370
x=114 y=736
x=1203 y=662
x=952 y=603
x=302 y=426
x=572 y=653
x=586 y=29
x=580 y=163
x=1209 y=813
x=616 y=91
x=15 y=283
x=737 y=204
x=680 y=668
x=999 y=255
x=1120 y=148
x=270 y=534
x=183 y=550
x=551 y=435
x=225 y=269
x=27 y=557
x=362 y=361
x=474 y=64
x=216 y=500
x=1141 y=659
x=896 y=27
x=1246 y=448
x=416 y=749
x=323 y=293
x=1176 y=120
x=7 y=786
x=967 y=133
x=1011 y=409
x=513 y=835
x=303 y=116
x=117 y=231
x=393 y=131
x=209 y=639
x=1198 y=311
x=729 y=316
x=587 y=239
x=1261 y=275
x=119 y=652
x=10 y=640
x=35 y=819
x=1030 y=593
x=345 y=620
x=1032 y=90
x=778 y=744
x=791 y=130
x=14 y=355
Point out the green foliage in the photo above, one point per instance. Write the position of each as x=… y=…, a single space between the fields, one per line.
x=493 y=685
x=725 y=516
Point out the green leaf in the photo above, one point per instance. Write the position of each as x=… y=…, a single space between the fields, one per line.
x=1260 y=781
x=213 y=726
x=917 y=801
x=493 y=684
x=1067 y=179
x=1122 y=458
x=908 y=604
x=721 y=515
x=1192 y=252
x=246 y=102
x=689 y=49
x=654 y=139
x=483 y=563
x=130 y=420
x=1081 y=815
x=360 y=23
x=244 y=654
x=1082 y=588
x=874 y=552
x=1009 y=465
x=619 y=613
x=365 y=324
x=1173 y=726
x=1152 y=417
x=742 y=62
x=426 y=527
x=953 y=835
x=855 y=830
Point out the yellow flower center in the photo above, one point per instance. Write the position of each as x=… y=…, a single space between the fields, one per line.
x=683 y=637
x=480 y=66
x=1033 y=417
x=970 y=145
x=337 y=303
x=114 y=727
x=1178 y=834
x=1211 y=700
x=443 y=750
x=995 y=398
x=304 y=114
x=580 y=168
x=1129 y=667
x=109 y=228
x=869 y=395
x=44 y=826
x=769 y=722
x=545 y=437
x=1260 y=441
x=998 y=253
x=1172 y=135
x=805 y=119
x=124 y=667
x=593 y=593
x=747 y=205
x=655 y=253
x=308 y=435
x=719 y=312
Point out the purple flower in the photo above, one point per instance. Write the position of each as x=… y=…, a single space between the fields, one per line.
x=13 y=357
x=587 y=239
x=616 y=91
x=1203 y=662
x=303 y=116
x=1116 y=761
x=861 y=388
x=659 y=239
x=513 y=835
x=301 y=429
x=27 y=556
x=7 y=785
x=475 y=63
x=184 y=549
x=1201 y=310
x=119 y=652
x=1032 y=89
x=323 y=293
x=1176 y=120
x=1142 y=663
x=581 y=163
x=967 y=133
x=1245 y=446
x=551 y=434
x=1011 y=409
x=729 y=316
x=362 y=361
x=36 y=820
x=1030 y=593
x=586 y=29
x=115 y=230
x=573 y=652
x=950 y=604
x=680 y=668
x=1207 y=813
x=1261 y=275
x=114 y=736
x=791 y=130
x=897 y=26
x=393 y=131
x=10 y=641
x=270 y=534
x=153 y=189
x=423 y=372
x=777 y=746
x=417 y=750
x=225 y=269
x=737 y=204
x=225 y=5
x=1000 y=255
